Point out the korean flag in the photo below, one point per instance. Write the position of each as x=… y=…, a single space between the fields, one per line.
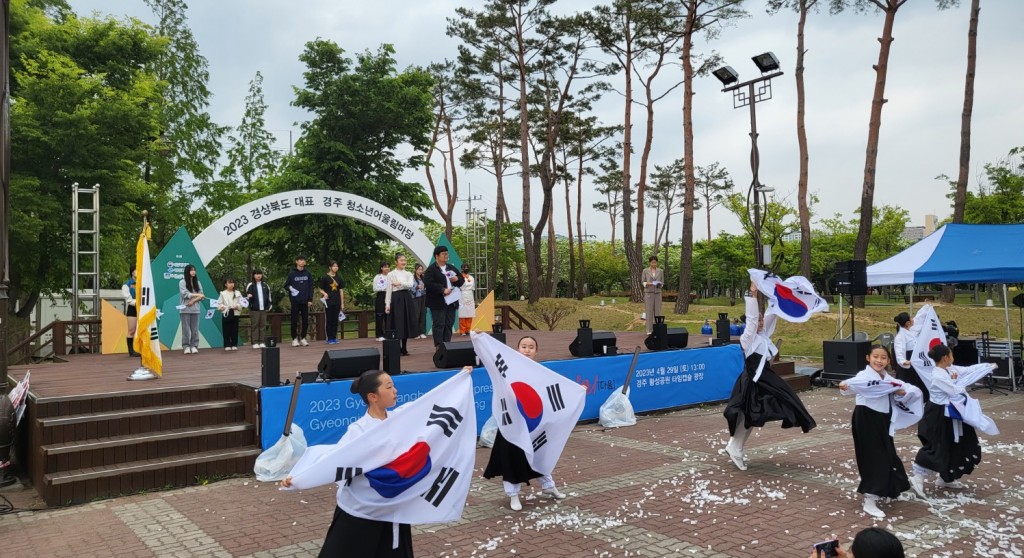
x=930 y=334
x=415 y=467
x=793 y=300
x=535 y=408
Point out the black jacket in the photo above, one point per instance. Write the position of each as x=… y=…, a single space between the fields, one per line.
x=254 y=302
x=434 y=280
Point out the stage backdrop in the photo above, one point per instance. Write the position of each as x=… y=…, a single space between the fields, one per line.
x=168 y=269
x=663 y=380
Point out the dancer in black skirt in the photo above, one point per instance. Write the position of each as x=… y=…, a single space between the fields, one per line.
x=398 y=303
x=942 y=451
x=509 y=461
x=357 y=537
x=882 y=474
x=759 y=395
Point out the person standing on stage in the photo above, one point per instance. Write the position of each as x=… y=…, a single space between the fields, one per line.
x=419 y=298
x=230 y=305
x=759 y=395
x=467 y=305
x=350 y=536
x=190 y=292
x=653 y=280
x=509 y=461
x=332 y=292
x=380 y=287
x=440 y=278
x=398 y=304
x=882 y=474
x=299 y=285
x=258 y=295
x=128 y=292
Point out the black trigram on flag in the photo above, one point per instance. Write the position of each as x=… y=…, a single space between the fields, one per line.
x=555 y=397
x=923 y=355
x=934 y=325
x=447 y=418
x=346 y=474
x=154 y=333
x=146 y=298
x=506 y=418
x=499 y=363
x=540 y=440
x=441 y=486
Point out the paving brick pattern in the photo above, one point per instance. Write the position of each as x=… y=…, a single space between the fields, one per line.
x=660 y=488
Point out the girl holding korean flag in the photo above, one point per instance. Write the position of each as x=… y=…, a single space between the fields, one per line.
x=759 y=395
x=535 y=409
x=950 y=447
x=412 y=465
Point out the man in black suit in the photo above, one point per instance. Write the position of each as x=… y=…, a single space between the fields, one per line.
x=439 y=279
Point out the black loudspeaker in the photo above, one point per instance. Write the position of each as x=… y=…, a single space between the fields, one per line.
x=601 y=343
x=392 y=356
x=722 y=329
x=667 y=338
x=583 y=345
x=658 y=339
x=852 y=277
x=844 y=359
x=271 y=366
x=455 y=354
x=348 y=363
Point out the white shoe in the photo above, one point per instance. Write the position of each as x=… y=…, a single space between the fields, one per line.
x=871 y=508
x=227 y=348
x=195 y=350
x=256 y=346
x=295 y=342
x=955 y=485
x=515 y=504
x=234 y=348
x=380 y=339
x=737 y=459
x=188 y=350
x=304 y=342
x=554 y=493
x=263 y=345
x=917 y=483
x=422 y=336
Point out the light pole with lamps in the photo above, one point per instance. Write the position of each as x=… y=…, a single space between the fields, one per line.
x=749 y=93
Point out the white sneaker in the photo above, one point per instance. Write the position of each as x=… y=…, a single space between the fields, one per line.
x=380 y=339
x=234 y=348
x=955 y=485
x=304 y=342
x=295 y=342
x=195 y=350
x=227 y=348
x=188 y=350
x=422 y=336
x=917 y=483
x=515 y=504
x=554 y=493
x=871 y=508
x=737 y=458
x=263 y=345
x=256 y=346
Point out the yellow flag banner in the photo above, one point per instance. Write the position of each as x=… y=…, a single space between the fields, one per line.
x=484 y=314
x=147 y=338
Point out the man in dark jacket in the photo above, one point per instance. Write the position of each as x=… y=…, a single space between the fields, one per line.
x=299 y=287
x=439 y=279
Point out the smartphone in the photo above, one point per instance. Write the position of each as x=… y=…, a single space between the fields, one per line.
x=827 y=549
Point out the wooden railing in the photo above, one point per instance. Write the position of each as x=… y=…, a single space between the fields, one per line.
x=66 y=337
x=509 y=318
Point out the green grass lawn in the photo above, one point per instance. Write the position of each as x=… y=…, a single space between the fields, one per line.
x=798 y=340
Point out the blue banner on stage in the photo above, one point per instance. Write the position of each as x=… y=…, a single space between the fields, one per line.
x=663 y=380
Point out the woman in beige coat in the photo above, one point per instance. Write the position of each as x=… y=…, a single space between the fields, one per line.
x=653 y=280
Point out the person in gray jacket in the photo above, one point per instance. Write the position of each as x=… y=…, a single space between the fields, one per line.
x=190 y=293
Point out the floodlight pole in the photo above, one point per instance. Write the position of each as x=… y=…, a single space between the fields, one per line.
x=743 y=95
x=5 y=184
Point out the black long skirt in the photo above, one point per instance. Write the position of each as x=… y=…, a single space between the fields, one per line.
x=769 y=399
x=404 y=317
x=938 y=451
x=509 y=462
x=881 y=471
x=354 y=537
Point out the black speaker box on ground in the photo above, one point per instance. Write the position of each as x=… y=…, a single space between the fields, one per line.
x=852 y=277
x=658 y=339
x=455 y=354
x=392 y=356
x=844 y=359
x=678 y=337
x=601 y=343
x=722 y=329
x=583 y=345
x=271 y=366
x=348 y=363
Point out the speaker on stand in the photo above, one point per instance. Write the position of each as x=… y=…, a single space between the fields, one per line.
x=852 y=280
x=583 y=345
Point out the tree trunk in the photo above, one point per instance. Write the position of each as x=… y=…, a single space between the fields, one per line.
x=686 y=241
x=552 y=267
x=860 y=250
x=707 y=207
x=801 y=136
x=581 y=281
x=571 y=284
x=629 y=247
x=530 y=247
x=444 y=207
x=960 y=198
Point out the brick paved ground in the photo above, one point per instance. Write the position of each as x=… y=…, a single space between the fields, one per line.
x=657 y=489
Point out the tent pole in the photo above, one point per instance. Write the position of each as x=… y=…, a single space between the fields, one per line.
x=1009 y=339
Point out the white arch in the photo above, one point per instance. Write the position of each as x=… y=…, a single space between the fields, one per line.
x=241 y=220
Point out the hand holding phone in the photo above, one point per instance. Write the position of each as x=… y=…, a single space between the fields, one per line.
x=827 y=549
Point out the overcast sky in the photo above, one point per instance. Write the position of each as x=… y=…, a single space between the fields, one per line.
x=920 y=134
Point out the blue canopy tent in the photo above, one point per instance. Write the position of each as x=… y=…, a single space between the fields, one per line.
x=958 y=253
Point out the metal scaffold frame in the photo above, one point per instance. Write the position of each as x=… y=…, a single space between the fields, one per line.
x=85 y=253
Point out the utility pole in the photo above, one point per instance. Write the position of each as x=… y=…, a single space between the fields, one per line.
x=5 y=184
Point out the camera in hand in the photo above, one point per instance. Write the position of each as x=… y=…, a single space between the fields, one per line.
x=827 y=549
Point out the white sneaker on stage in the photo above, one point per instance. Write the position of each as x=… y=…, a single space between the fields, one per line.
x=380 y=339
x=195 y=350
x=295 y=342
x=515 y=504
x=188 y=350
x=227 y=348
x=256 y=346
x=304 y=342
x=871 y=508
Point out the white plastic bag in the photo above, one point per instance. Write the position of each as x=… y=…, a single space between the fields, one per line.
x=617 y=411
x=488 y=433
x=275 y=463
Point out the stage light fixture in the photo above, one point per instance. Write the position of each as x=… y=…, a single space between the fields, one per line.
x=726 y=75
x=766 y=62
